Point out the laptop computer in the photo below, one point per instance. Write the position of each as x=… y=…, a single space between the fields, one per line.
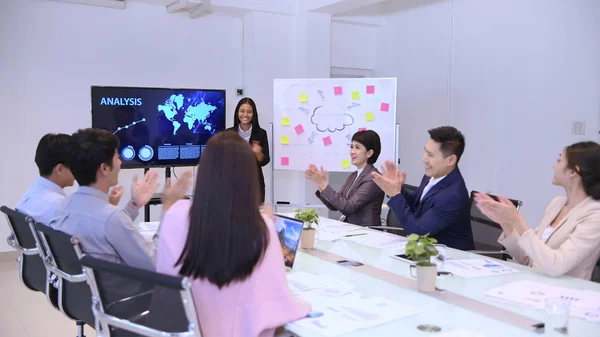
x=288 y=231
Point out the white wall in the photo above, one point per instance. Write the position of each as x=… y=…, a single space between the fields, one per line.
x=516 y=89
x=53 y=52
x=353 y=45
x=414 y=47
x=519 y=73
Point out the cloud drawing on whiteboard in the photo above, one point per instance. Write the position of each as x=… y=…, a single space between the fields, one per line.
x=331 y=118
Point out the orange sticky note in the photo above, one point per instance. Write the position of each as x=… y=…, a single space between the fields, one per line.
x=285 y=140
x=346 y=163
x=303 y=98
x=355 y=95
x=285 y=121
x=369 y=116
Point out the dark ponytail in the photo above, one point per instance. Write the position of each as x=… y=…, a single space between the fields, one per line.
x=584 y=158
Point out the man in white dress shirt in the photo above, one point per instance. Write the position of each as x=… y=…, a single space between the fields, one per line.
x=42 y=198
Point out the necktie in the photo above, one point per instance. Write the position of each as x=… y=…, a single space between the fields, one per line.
x=427 y=188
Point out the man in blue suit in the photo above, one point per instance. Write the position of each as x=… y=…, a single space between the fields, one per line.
x=440 y=206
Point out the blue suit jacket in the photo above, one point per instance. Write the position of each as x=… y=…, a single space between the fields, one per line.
x=444 y=212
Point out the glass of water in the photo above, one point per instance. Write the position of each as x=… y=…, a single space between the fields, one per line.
x=557 y=314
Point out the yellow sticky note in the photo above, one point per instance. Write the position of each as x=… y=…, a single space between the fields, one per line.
x=346 y=163
x=355 y=95
x=369 y=116
x=285 y=140
x=285 y=121
x=303 y=98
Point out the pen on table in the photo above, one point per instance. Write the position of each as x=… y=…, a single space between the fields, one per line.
x=349 y=235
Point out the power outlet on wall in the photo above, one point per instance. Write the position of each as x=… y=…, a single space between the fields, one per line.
x=578 y=128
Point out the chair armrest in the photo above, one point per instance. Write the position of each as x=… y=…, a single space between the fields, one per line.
x=25 y=251
x=127 y=300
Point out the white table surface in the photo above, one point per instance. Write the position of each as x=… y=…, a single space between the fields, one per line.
x=445 y=315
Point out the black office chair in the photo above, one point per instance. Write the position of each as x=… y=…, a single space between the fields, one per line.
x=486 y=231
x=32 y=271
x=392 y=224
x=172 y=312
x=596 y=272
x=61 y=259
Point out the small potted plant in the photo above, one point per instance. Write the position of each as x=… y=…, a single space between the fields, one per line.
x=420 y=249
x=311 y=219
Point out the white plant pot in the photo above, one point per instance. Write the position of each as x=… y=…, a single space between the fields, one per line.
x=426 y=277
x=307 y=239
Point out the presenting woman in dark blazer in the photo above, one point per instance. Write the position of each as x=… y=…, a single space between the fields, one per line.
x=245 y=123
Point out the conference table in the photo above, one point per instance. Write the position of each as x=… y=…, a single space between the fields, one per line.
x=457 y=307
x=436 y=311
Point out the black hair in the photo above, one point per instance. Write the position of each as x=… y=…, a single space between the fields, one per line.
x=90 y=148
x=584 y=158
x=52 y=150
x=452 y=141
x=370 y=139
x=227 y=236
x=236 y=118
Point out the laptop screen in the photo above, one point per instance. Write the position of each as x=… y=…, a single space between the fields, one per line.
x=288 y=231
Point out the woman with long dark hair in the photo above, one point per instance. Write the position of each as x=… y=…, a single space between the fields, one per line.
x=231 y=251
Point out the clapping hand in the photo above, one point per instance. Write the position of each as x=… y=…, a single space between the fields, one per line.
x=143 y=190
x=115 y=195
x=175 y=192
x=390 y=180
x=502 y=211
x=316 y=175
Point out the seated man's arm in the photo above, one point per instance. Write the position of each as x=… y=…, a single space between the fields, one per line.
x=410 y=196
x=123 y=235
x=432 y=221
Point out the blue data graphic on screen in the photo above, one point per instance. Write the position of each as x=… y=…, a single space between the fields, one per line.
x=157 y=126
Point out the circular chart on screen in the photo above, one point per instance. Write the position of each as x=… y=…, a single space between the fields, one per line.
x=128 y=153
x=146 y=153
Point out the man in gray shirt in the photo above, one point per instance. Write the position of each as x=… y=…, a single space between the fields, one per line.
x=105 y=231
x=42 y=198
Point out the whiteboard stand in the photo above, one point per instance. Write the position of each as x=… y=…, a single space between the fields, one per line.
x=272 y=169
x=272 y=182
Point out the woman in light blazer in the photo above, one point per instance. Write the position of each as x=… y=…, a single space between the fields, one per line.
x=568 y=239
x=360 y=198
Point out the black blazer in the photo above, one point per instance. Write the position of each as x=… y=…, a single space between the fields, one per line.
x=444 y=212
x=260 y=136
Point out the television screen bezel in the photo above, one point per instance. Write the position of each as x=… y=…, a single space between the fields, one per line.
x=137 y=166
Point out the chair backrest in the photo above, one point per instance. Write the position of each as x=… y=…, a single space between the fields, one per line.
x=74 y=295
x=486 y=231
x=391 y=220
x=31 y=268
x=172 y=311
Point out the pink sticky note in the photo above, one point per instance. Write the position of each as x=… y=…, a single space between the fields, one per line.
x=299 y=129
x=385 y=107
x=362 y=129
x=327 y=141
x=370 y=89
x=337 y=91
x=285 y=161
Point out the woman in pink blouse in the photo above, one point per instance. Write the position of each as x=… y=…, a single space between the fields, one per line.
x=232 y=252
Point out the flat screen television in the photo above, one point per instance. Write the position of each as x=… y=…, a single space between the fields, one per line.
x=159 y=127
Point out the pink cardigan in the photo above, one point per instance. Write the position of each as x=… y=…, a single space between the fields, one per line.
x=255 y=307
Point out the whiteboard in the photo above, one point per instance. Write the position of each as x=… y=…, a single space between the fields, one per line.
x=314 y=120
